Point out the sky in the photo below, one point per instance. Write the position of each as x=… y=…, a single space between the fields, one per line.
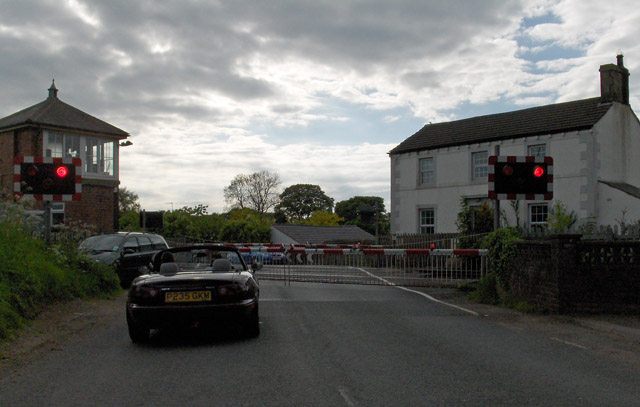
x=316 y=91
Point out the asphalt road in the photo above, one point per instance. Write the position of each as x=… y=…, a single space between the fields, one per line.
x=328 y=345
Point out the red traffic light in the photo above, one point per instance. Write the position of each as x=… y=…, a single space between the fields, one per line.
x=62 y=171
x=538 y=171
x=32 y=170
x=507 y=170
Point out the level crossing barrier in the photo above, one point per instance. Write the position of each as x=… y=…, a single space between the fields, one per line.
x=355 y=264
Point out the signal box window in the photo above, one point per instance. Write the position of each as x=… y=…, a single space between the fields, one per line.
x=427 y=221
x=538 y=150
x=538 y=214
x=480 y=162
x=62 y=145
x=99 y=156
x=427 y=171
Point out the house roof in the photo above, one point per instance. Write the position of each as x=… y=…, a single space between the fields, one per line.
x=324 y=234
x=549 y=119
x=52 y=112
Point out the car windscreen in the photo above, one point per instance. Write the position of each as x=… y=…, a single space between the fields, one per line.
x=201 y=259
x=104 y=243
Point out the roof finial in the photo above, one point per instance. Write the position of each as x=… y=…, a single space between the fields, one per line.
x=53 y=91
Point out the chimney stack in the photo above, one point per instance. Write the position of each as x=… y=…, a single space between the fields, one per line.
x=614 y=82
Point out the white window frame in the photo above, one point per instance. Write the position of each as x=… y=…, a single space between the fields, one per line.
x=479 y=166
x=537 y=223
x=57 y=209
x=99 y=155
x=422 y=226
x=533 y=150
x=426 y=176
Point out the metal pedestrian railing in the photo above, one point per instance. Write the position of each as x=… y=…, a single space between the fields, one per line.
x=368 y=265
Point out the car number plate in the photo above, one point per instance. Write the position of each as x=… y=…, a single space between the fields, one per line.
x=187 y=296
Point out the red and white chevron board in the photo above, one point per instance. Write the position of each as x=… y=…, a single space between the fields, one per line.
x=356 y=251
x=520 y=159
x=77 y=196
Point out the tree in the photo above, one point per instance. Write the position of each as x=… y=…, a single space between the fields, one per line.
x=473 y=220
x=128 y=201
x=258 y=191
x=129 y=209
x=245 y=226
x=299 y=201
x=323 y=218
x=365 y=212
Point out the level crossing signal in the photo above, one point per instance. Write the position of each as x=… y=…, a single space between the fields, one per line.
x=520 y=178
x=53 y=179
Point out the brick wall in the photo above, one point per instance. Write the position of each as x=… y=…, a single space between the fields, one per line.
x=96 y=208
x=564 y=274
x=6 y=162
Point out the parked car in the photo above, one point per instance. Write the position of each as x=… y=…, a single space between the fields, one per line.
x=129 y=253
x=193 y=286
x=265 y=258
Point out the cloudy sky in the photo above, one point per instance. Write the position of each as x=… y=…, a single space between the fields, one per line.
x=317 y=91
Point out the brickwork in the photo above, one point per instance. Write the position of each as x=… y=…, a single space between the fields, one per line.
x=564 y=274
x=95 y=208
x=6 y=162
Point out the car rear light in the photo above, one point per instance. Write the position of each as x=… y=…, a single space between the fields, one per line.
x=146 y=292
x=229 y=290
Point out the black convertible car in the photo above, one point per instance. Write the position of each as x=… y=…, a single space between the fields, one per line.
x=192 y=286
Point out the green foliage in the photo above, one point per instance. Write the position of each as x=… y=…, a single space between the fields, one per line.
x=486 y=291
x=299 y=201
x=33 y=276
x=560 y=219
x=522 y=306
x=247 y=226
x=356 y=211
x=130 y=221
x=502 y=249
x=323 y=218
x=473 y=220
x=128 y=201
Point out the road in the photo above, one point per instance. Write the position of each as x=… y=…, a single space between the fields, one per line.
x=328 y=345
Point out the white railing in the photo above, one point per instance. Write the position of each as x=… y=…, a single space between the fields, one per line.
x=367 y=265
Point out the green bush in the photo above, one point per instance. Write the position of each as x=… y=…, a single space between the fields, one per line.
x=486 y=291
x=33 y=276
x=502 y=248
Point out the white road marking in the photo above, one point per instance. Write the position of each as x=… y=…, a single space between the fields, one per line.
x=345 y=396
x=427 y=296
x=569 y=343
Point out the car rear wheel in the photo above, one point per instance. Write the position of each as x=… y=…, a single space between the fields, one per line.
x=137 y=332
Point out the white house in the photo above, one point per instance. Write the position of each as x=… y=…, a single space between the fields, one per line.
x=595 y=145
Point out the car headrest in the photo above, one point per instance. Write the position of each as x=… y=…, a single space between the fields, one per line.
x=169 y=268
x=221 y=265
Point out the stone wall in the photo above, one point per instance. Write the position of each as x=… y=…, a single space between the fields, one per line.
x=564 y=274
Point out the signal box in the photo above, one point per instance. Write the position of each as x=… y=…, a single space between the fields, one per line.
x=520 y=178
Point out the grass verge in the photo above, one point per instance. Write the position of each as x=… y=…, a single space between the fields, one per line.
x=33 y=276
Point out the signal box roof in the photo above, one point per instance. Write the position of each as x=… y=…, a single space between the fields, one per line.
x=54 y=113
